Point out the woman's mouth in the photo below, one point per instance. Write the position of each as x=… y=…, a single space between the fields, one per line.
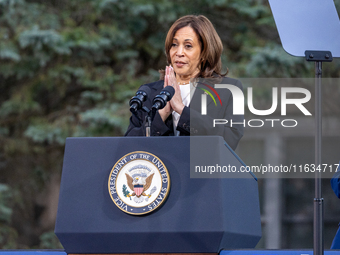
x=179 y=64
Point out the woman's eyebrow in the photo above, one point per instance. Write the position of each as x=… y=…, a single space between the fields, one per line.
x=175 y=39
x=186 y=40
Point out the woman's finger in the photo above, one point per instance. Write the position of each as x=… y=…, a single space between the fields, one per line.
x=166 y=77
x=172 y=76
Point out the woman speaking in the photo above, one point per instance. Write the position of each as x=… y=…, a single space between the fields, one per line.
x=193 y=50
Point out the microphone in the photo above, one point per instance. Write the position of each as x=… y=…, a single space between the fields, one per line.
x=160 y=100
x=136 y=102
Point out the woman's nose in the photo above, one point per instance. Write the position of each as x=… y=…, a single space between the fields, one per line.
x=179 y=51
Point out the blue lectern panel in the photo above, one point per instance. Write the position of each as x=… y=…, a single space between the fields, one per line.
x=200 y=215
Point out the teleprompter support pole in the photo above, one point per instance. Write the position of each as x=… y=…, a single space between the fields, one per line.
x=318 y=200
x=318 y=57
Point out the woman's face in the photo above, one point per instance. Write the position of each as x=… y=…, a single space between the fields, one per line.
x=185 y=53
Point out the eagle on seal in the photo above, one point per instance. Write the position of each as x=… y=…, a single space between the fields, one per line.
x=139 y=185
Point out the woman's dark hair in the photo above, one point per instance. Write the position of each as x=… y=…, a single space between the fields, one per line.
x=211 y=44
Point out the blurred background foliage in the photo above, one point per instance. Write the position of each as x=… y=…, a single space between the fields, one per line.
x=69 y=67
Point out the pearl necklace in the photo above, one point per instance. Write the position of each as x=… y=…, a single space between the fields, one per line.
x=183 y=83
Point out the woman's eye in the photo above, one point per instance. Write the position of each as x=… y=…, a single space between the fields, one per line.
x=188 y=46
x=173 y=45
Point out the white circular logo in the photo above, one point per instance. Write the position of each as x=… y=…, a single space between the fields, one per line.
x=139 y=183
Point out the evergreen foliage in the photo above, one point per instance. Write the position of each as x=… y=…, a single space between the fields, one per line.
x=69 y=67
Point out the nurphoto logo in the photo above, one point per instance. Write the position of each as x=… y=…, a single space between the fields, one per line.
x=289 y=96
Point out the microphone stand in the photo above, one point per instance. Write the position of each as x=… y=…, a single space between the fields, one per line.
x=147 y=121
x=147 y=126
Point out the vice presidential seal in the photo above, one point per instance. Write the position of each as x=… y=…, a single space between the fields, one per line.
x=139 y=183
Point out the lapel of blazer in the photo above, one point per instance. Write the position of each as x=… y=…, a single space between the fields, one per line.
x=156 y=88
x=196 y=99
